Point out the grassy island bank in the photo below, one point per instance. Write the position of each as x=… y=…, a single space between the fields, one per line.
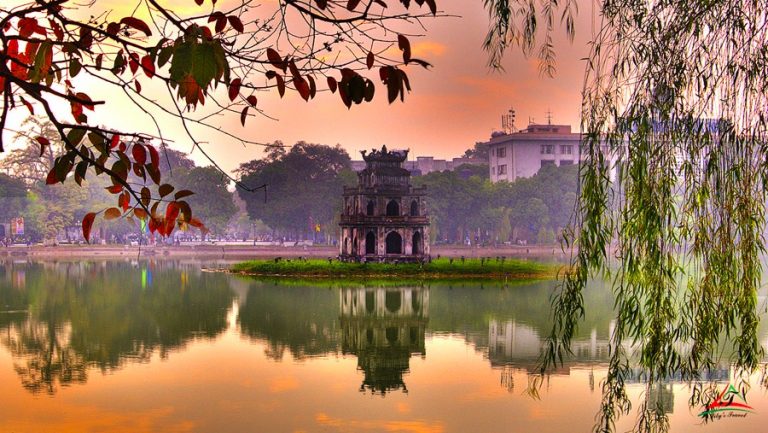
x=474 y=268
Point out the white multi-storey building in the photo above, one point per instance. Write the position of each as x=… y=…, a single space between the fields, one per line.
x=523 y=153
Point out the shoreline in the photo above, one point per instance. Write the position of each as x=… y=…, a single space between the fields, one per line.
x=438 y=269
x=539 y=252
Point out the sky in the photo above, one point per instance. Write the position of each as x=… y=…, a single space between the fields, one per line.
x=453 y=105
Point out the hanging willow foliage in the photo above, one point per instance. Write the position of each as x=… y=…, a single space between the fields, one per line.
x=677 y=90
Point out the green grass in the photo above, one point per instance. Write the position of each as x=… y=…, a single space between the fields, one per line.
x=438 y=269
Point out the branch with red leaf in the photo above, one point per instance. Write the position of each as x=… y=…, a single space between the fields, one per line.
x=50 y=57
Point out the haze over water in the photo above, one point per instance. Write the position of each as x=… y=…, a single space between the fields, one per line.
x=159 y=345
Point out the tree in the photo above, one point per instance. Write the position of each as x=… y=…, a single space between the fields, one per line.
x=212 y=201
x=674 y=88
x=14 y=194
x=31 y=163
x=49 y=57
x=479 y=151
x=469 y=170
x=531 y=215
x=305 y=186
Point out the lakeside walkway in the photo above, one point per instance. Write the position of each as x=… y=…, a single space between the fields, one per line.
x=247 y=250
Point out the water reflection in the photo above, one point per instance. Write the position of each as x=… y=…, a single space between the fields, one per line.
x=383 y=328
x=69 y=316
x=222 y=350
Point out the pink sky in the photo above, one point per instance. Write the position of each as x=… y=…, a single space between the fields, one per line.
x=453 y=105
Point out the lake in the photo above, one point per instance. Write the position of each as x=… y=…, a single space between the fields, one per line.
x=160 y=346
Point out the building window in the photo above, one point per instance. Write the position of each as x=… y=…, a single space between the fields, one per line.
x=501 y=152
x=566 y=149
x=566 y=162
x=547 y=149
x=545 y=163
x=502 y=169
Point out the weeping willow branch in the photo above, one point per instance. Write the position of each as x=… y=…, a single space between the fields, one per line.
x=678 y=90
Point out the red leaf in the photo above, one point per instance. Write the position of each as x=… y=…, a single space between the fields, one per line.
x=280 y=85
x=27 y=26
x=44 y=142
x=140 y=213
x=252 y=100
x=51 y=178
x=172 y=211
x=183 y=193
x=138 y=86
x=369 y=60
x=83 y=97
x=322 y=4
x=236 y=23
x=113 y=28
x=112 y=213
x=137 y=24
x=207 y=34
x=133 y=64
x=234 y=88
x=28 y=105
x=405 y=45
x=221 y=22
x=302 y=86
x=56 y=29
x=165 y=189
x=352 y=4
x=275 y=59
x=215 y=16
x=87 y=225
x=148 y=65
x=312 y=86
x=115 y=189
x=199 y=2
x=139 y=154
x=432 y=6
x=154 y=157
x=115 y=141
x=332 y=84
x=124 y=201
x=169 y=225
x=243 y=115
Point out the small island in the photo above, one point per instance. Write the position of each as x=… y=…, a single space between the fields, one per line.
x=497 y=268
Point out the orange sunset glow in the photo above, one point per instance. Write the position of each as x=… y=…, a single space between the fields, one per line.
x=454 y=104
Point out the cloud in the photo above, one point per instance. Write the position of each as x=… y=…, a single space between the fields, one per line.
x=428 y=49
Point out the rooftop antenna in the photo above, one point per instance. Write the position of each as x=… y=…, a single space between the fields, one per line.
x=508 y=121
x=549 y=116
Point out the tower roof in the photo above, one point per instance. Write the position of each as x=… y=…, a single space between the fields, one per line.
x=385 y=155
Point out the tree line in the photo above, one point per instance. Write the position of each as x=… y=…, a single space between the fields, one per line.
x=53 y=212
x=304 y=186
x=300 y=198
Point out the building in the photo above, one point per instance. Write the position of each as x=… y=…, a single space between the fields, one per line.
x=384 y=218
x=512 y=155
x=522 y=153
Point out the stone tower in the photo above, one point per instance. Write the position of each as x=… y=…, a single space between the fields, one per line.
x=384 y=218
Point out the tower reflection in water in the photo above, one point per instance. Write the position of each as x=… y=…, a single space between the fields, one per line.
x=383 y=328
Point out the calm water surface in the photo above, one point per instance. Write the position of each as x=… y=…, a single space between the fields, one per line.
x=159 y=346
